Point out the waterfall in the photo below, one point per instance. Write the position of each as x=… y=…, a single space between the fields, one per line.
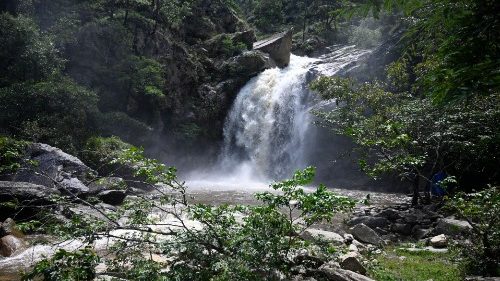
x=267 y=125
x=269 y=129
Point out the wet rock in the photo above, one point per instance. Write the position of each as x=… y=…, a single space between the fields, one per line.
x=72 y=187
x=30 y=196
x=278 y=47
x=247 y=64
x=9 y=227
x=348 y=238
x=314 y=234
x=372 y=222
x=107 y=183
x=338 y=274
x=112 y=197
x=452 y=227
x=350 y=262
x=303 y=278
x=421 y=233
x=439 y=241
x=366 y=234
x=10 y=244
x=307 y=260
x=381 y=231
x=54 y=168
x=389 y=214
x=353 y=248
x=401 y=228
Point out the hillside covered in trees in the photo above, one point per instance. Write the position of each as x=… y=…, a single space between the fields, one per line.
x=99 y=99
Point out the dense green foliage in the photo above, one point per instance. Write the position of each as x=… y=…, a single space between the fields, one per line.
x=397 y=132
x=64 y=266
x=438 y=109
x=480 y=255
x=11 y=152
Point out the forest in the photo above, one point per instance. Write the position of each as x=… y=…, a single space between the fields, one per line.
x=187 y=140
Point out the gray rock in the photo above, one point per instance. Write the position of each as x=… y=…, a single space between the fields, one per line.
x=452 y=227
x=30 y=196
x=439 y=241
x=112 y=197
x=107 y=183
x=350 y=262
x=348 y=238
x=353 y=248
x=10 y=245
x=421 y=233
x=389 y=214
x=73 y=187
x=402 y=228
x=332 y=237
x=366 y=234
x=372 y=222
x=338 y=274
x=9 y=227
x=247 y=64
x=278 y=47
x=54 y=168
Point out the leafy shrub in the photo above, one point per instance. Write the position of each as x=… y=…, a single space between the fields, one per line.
x=59 y=112
x=99 y=151
x=64 y=266
x=26 y=54
x=11 y=153
x=231 y=48
x=481 y=255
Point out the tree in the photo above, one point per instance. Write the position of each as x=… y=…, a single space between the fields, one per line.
x=411 y=136
x=26 y=54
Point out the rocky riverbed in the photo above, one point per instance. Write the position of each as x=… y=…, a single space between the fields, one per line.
x=379 y=219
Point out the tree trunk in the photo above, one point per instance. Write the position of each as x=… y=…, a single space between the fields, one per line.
x=416 y=195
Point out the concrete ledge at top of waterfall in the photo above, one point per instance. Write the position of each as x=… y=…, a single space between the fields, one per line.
x=278 y=47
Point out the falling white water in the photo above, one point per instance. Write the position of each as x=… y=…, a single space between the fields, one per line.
x=269 y=126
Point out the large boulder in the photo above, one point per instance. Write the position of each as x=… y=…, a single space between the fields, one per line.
x=9 y=227
x=452 y=227
x=278 y=47
x=23 y=200
x=365 y=234
x=318 y=234
x=107 y=183
x=439 y=241
x=337 y=274
x=10 y=245
x=246 y=65
x=51 y=167
x=112 y=197
x=351 y=262
x=372 y=222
